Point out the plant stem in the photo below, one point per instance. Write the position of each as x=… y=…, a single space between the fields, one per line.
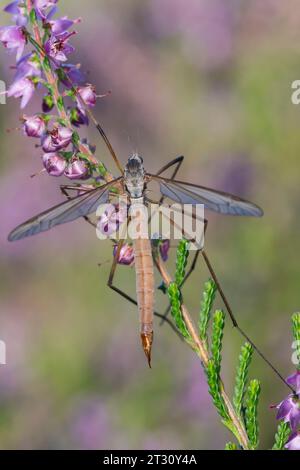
x=204 y=357
x=52 y=80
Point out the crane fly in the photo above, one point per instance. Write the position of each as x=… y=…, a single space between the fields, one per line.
x=135 y=176
x=133 y=183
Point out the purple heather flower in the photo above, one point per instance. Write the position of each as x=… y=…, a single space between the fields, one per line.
x=293 y=442
x=54 y=164
x=294 y=381
x=289 y=411
x=87 y=94
x=164 y=249
x=57 y=47
x=34 y=126
x=77 y=169
x=59 y=138
x=18 y=13
x=13 y=38
x=28 y=67
x=47 y=103
x=12 y=8
x=126 y=255
x=111 y=219
x=61 y=25
x=74 y=74
x=42 y=5
x=78 y=117
x=23 y=88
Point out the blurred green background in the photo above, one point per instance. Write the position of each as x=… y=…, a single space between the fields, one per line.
x=205 y=78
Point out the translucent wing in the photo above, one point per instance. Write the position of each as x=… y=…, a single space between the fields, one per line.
x=217 y=201
x=67 y=211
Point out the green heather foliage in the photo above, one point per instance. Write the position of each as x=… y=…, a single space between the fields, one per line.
x=230 y=446
x=181 y=261
x=246 y=395
x=281 y=436
x=217 y=335
x=175 y=301
x=208 y=297
x=242 y=376
x=251 y=404
x=213 y=380
x=296 y=335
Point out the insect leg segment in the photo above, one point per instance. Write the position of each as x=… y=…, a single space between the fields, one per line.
x=177 y=161
x=234 y=321
x=65 y=188
x=187 y=275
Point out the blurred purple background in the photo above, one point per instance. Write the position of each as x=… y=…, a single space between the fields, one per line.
x=208 y=79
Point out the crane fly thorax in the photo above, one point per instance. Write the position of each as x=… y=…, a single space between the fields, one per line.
x=134 y=176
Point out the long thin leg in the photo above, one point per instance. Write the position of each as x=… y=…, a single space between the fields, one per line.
x=187 y=275
x=176 y=161
x=126 y=296
x=233 y=319
x=70 y=187
x=65 y=193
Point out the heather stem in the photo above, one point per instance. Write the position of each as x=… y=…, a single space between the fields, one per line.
x=52 y=80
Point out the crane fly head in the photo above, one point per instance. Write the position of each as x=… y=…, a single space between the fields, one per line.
x=134 y=175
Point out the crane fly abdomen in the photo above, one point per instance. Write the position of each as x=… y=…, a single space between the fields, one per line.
x=145 y=291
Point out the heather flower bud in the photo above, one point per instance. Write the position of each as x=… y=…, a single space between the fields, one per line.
x=59 y=138
x=24 y=89
x=77 y=169
x=293 y=442
x=289 y=411
x=126 y=255
x=34 y=126
x=164 y=249
x=47 y=104
x=70 y=75
x=42 y=5
x=18 y=12
x=294 y=381
x=61 y=25
x=54 y=164
x=12 y=37
x=87 y=94
x=78 y=117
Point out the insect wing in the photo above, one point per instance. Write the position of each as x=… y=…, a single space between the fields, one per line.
x=217 y=201
x=67 y=211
